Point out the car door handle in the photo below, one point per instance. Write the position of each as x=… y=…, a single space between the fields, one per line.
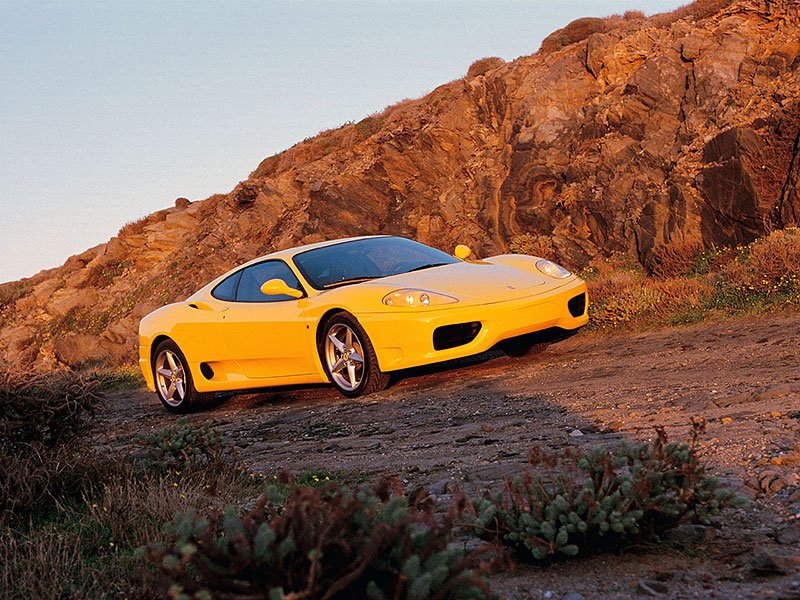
x=198 y=305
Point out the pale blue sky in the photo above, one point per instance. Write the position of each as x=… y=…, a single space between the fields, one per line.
x=111 y=110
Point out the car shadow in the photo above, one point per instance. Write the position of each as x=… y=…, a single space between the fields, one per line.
x=408 y=379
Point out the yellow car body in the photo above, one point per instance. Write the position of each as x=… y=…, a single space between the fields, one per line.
x=230 y=345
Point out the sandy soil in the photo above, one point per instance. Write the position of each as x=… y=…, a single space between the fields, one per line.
x=474 y=421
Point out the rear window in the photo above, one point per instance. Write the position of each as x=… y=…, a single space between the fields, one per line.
x=226 y=290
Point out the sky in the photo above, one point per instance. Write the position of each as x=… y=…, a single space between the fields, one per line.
x=110 y=110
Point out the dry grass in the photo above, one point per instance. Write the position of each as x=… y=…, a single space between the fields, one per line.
x=687 y=288
x=701 y=9
x=133 y=227
x=52 y=565
x=675 y=259
x=86 y=547
x=74 y=516
x=13 y=291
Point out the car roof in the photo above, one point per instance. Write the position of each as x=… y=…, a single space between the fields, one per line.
x=284 y=255
x=290 y=252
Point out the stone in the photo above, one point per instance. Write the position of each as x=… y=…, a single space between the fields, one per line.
x=650 y=587
x=765 y=563
x=78 y=350
x=67 y=300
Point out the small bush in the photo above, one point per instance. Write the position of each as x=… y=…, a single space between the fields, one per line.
x=133 y=227
x=183 y=448
x=484 y=65
x=13 y=291
x=48 y=409
x=769 y=265
x=629 y=304
x=710 y=260
x=584 y=502
x=675 y=259
x=42 y=421
x=576 y=31
x=33 y=478
x=316 y=543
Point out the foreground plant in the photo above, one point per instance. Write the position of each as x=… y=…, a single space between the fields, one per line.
x=183 y=447
x=316 y=543
x=42 y=421
x=586 y=502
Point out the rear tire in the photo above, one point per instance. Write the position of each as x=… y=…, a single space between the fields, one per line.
x=349 y=358
x=173 y=380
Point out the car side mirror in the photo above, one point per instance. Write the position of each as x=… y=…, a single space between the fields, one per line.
x=462 y=252
x=278 y=287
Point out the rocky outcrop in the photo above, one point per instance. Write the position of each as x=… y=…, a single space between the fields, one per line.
x=627 y=135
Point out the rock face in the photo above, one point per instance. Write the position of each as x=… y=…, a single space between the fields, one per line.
x=632 y=135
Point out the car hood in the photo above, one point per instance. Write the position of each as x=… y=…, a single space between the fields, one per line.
x=472 y=283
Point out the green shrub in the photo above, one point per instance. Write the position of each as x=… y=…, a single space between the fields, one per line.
x=584 y=502
x=120 y=378
x=316 y=543
x=183 y=448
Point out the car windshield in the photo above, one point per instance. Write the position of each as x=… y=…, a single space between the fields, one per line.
x=370 y=258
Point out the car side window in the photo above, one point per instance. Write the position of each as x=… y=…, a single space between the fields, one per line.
x=226 y=289
x=253 y=277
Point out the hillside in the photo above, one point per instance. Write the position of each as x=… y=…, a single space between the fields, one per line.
x=651 y=137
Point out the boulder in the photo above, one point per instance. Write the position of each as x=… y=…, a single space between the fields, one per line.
x=79 y=349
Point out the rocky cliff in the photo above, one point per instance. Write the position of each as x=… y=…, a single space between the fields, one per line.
x=652 y=137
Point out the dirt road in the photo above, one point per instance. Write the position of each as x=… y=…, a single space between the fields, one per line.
x=474 y=421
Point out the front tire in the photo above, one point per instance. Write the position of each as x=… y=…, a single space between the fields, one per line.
x=173 y=379
x=349 y=358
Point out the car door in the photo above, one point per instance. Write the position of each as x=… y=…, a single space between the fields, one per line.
x=268 y=336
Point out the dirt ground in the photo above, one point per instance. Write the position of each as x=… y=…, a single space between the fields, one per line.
x=474 y=421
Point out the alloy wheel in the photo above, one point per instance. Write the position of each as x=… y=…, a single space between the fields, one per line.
x=170 y=378
x=344 y=355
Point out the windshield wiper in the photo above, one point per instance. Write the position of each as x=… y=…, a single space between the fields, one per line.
x=346 y=281
x=428 y=266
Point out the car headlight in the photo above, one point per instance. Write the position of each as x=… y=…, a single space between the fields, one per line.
x=411 y=298
x=552 y=269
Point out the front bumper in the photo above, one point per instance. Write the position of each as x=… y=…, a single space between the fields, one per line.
x=405 y=339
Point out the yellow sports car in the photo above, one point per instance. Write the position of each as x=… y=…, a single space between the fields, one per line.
x=351 y=311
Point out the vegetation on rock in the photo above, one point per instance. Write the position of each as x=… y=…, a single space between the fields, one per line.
x=761 y=276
